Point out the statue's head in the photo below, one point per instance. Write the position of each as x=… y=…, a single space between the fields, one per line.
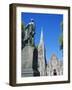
x=32 y=20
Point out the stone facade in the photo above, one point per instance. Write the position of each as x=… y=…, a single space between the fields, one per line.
x=41 y=56
x=54 y=66
x=27 y=61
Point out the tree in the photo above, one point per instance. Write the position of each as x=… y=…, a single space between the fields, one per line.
x=22 y=34
x=61 y=37
x=22 y=26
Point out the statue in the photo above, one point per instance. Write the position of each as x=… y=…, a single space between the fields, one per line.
x=29 y=32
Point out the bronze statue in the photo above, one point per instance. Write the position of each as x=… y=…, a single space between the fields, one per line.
x=28 y=38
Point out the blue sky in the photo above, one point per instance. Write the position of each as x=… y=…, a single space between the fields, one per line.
x=51 y=31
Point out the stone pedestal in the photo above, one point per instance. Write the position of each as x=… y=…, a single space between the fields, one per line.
x=27 y=61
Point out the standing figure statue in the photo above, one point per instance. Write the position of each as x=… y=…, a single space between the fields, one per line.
x=29 y=34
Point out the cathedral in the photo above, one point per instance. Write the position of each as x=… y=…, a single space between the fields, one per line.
x=54 y=66
x=41 y=56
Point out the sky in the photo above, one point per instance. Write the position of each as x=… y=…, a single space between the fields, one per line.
x=51 y=31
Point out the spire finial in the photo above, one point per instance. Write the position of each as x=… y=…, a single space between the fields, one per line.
x=41 y=37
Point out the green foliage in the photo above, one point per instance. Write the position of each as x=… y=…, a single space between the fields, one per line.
x=22 y=26
x=61 y=42
x=61 y=37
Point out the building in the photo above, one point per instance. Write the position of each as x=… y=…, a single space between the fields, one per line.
x=54 y=66
x=41 y=56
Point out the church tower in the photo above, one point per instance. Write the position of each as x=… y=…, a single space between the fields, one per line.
x=41 y=56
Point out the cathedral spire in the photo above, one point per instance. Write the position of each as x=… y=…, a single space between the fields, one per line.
x=41 y=36
x=41 y=56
